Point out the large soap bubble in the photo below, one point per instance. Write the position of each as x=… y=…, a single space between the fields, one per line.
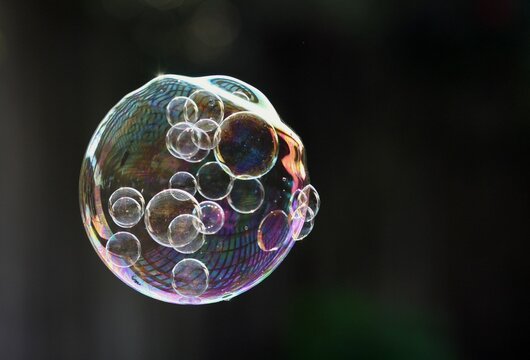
x=225 y=185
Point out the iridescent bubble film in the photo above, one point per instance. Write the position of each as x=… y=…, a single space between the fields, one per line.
x=156 y=189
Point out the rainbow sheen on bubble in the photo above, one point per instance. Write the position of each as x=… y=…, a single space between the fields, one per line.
x=192 y=190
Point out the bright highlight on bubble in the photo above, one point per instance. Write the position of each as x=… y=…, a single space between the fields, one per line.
x=225 y=183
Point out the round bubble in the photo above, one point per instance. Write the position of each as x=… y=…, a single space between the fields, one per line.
x=184 y=229
x=238 y=250
x=123 y=249
x=180 y=109
x=190 y=277
x=184 y=181
x=247 y=145
x=163 y=208
x=246 y=195
x=212 y=217
x=213 y=182
x=126 y=207
x=209 y=104
x=126 y=212
x=273 y=231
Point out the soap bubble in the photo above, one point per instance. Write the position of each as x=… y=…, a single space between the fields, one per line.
x=210 y=105
x=273 y=230
x=213 y=182
x=123 y=249
x=181 y=109
x=229 y=238
x=184 y=181
x=126 y=207
x=163 y=208
x=248 y=145
x=184 y=229
x=212 y=217
x=246 y=195
x=190 y=277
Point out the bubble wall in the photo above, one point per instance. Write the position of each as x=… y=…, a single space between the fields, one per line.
x=192 y=190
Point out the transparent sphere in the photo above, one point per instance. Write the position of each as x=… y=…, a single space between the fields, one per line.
x=210 y=185
x=212 y=217
x=247 y=145
x=161 y=214
x=184 y=229
x=185 y=181
x=213 y=181
x=246 y=196
x=126 y=207
x=123 y=249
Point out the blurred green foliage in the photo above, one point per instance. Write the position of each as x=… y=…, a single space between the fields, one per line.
x=339 y=325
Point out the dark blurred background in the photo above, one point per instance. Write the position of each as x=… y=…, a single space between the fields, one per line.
x=415 y=115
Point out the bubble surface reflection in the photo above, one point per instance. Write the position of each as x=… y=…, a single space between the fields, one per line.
x=192 y=190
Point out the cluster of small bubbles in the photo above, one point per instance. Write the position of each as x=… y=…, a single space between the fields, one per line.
x=311 y=198
x=182 y=139
x=219 y=202
x=194 y=122
x=303 y=206
x=126 y=207
x=246 y=196
x=123 y=249
x=184 y=181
